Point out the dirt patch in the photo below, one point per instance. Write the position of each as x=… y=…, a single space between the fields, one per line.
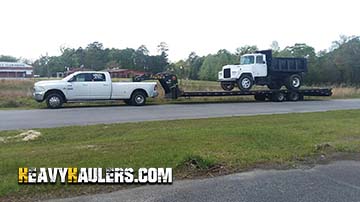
x=24 y=136
x=194 y=166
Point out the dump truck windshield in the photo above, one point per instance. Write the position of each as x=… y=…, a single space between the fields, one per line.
x=246 y=60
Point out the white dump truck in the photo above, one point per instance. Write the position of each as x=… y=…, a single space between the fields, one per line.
x=261 y=68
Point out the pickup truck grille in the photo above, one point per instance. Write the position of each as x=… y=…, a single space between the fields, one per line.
x=227 y=73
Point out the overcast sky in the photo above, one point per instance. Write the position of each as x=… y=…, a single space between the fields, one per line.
x=32 y=28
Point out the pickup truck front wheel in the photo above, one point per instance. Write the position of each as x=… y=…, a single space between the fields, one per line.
x=54 y=101
x=138 y=98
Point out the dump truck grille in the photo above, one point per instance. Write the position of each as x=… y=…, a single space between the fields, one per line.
x=227 y=73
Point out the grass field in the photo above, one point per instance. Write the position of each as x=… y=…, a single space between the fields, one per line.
x=17 y=93
x=209 y=146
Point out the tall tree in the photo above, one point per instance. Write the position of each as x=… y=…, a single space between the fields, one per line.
x=245 y=49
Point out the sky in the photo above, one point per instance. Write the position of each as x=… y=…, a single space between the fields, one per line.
x=29 y=29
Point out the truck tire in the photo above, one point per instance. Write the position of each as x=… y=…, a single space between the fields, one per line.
x=54 y=101
x=278 y=97
x=294 y=82
x=259 y=97
x=138 y=98
x=226 y=86
x=274 y=86
x=293 y=96
x=245 y=82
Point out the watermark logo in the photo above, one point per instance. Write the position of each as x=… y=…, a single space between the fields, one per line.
x=73 y=175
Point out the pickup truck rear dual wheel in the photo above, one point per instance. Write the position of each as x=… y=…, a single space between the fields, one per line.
x=245 y=82
x=138 y=98
x=54 y=101
x=294 y=82
x=227 y=86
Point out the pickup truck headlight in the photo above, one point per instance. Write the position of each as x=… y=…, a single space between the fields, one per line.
x=39 y=88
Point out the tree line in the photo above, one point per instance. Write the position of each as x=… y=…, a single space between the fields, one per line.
x=337 y=65
x=96 y=57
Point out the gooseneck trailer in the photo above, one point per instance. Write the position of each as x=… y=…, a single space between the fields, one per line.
x=169 y=83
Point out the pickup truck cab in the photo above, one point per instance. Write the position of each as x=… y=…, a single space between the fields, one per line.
x=91 y=86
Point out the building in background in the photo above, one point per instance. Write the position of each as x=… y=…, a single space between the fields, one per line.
x=15 y=70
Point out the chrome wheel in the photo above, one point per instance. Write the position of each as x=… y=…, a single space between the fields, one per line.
x=246 y=83
x=296 y=82
x=54 y=101
x=139 y=99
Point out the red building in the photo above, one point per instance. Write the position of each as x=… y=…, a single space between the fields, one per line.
x=15 y=70
x=124 y=73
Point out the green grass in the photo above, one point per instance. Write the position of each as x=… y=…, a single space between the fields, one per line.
x=237 y=143
x=17 y=93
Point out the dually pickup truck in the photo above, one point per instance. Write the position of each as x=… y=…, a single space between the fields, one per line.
x=90 y=86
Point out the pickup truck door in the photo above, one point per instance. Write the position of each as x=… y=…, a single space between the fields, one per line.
x=100 y=86
x=260 y=68
x=78 y=87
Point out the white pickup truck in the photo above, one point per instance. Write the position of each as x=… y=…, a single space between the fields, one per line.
x=89 y=86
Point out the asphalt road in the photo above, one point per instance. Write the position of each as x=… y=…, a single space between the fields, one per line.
x=339 y=181
x=47 y=118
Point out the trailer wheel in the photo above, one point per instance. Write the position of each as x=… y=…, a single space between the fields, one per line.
x=293 y=96
x=226 y=86
x=278 y=97
x=54 y=101
x=294 y=82
x=245 y=82
x=259 y=97
x=138 y=98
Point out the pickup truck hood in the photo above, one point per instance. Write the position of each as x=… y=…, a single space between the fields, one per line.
x=50 y=82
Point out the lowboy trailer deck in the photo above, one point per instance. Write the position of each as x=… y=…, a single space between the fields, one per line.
x=169 y=82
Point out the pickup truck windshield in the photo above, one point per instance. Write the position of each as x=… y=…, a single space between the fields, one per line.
x=68 y=77
x=246 y=60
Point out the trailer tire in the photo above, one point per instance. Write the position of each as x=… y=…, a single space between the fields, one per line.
x=293 y=96
x=138 y=98
x=294 y=82
x=245 y=82
x=278 y=97
x=54 y=101
x=260 y=97
x=226 y=86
